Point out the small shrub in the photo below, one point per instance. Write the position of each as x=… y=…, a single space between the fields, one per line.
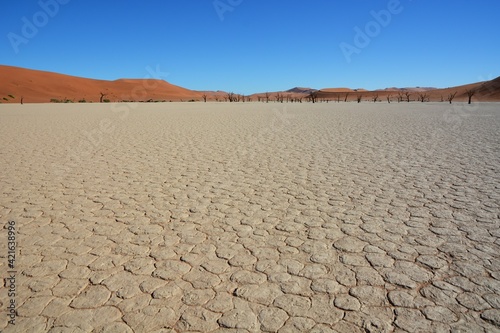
x=82 y=101
x=106 y=100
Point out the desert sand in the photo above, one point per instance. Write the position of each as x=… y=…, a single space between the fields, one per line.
x=232 y=217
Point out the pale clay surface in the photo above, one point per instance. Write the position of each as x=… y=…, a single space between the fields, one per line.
x=253 y=217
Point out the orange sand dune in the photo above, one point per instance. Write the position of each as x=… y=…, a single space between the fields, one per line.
x=41 y=87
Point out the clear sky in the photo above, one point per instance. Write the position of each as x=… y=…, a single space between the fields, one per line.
x=249 y=46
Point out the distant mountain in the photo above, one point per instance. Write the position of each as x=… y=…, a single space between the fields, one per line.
x=299 y=90
x=415 y=89
x=339 y=90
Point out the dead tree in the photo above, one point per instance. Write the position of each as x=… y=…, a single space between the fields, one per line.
x=422 y=97
x=470 y=93
x=359 y=98
x=345 y=98
x=22 y=99
x=267 y=97
x=407 y=95
x=388 y=97
x=451 y=97
x=102 y=96
x=313 y=96
x=230 y=97
x=204 y=96
x=400 y=97
x=279 y=98
x=375 y=98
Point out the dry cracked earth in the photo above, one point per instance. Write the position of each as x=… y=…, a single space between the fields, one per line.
x=225 y=217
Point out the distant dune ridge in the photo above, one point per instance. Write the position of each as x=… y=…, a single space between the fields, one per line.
x=34 y=86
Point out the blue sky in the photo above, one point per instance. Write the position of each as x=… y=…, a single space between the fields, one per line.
x=249 y=46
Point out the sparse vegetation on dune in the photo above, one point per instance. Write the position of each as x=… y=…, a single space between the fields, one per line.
x=7 y=98
x=64 y=100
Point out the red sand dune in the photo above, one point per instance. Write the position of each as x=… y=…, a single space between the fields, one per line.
x=35 y=86
x=40 y=87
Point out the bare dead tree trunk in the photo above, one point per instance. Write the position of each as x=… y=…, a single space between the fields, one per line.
x=204 y=96
x=388 y=97
x=345 y=98
x=400 y=97
x=422 y=97
x=267 y=97
x=408 y=95
x=470 y=93
x=375 y=98
x=359 y=98
x=313 y=96
x=451 y=97
x=102 y=97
